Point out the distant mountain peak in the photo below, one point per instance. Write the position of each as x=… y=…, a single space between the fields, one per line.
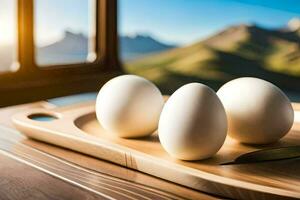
x=294 y=24
x=231 y=35
x=71 y=35
x=141 y=37
x=133 y=46
x=240 y=28
x=246 y=27
x=133 y=36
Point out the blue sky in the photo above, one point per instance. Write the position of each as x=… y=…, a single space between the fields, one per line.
x=171 y=21
x=184 y=21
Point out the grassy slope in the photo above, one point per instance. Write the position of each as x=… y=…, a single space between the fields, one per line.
x=238 y=51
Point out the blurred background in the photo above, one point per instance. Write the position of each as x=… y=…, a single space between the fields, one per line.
x=171 y=42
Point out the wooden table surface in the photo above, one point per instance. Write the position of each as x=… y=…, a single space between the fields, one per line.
x=34 y=170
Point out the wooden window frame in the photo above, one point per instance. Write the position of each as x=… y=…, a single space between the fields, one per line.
x=32 y=83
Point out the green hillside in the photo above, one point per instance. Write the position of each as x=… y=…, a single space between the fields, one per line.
x=241 y=50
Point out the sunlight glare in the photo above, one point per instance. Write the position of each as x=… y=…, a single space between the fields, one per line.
x=8 y=27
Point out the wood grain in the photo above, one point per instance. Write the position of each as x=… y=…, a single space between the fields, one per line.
x=78 y=129
x=116 y=171
x=19 y=182
x=35 y=170
x=100 y=184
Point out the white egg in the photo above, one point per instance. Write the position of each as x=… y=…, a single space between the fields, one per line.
x=193 y=123
x=129 y=106
x=258 y=112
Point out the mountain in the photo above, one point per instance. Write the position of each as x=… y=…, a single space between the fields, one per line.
x=74 y=48
x=71 y=48
x=241 y=50
x=139 y=45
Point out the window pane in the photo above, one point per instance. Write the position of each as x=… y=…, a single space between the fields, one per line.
x=8 y=36
x=64 y=31
x=173 y=42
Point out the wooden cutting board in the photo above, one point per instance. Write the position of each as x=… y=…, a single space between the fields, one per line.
x=75 y=127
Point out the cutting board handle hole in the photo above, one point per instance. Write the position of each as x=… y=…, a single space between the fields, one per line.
x=42 y=117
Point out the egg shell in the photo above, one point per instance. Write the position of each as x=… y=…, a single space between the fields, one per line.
x=258 y=112
x=193 y=124
x=129 y=106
